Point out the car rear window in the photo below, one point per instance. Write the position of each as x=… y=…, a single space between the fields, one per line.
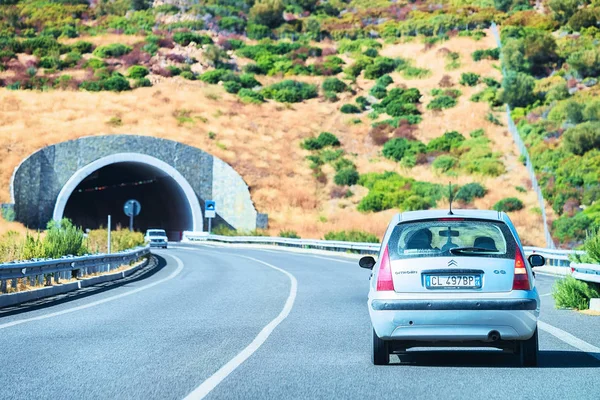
x=156 y=233
x=435 y=238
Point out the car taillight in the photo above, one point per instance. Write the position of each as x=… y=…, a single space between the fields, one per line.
x=521 y=279
x=384 y=277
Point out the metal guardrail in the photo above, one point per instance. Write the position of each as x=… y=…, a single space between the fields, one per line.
x=554 y=257
x=41 y=272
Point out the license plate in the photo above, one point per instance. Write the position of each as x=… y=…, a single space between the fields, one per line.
x=452 y=281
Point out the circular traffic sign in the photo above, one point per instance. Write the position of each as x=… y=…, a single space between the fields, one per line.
x=132 y=208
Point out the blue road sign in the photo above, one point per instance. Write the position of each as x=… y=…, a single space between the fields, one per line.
x=210 y=209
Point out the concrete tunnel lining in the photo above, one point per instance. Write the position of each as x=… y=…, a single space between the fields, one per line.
x=128 y=158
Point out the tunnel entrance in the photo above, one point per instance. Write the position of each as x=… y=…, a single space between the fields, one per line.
x=105 y=191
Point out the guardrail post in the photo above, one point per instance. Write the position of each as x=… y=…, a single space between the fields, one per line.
x=32 y=281
x=56 y=278
x=14 y=284
x=4 y=286
x=48 y=280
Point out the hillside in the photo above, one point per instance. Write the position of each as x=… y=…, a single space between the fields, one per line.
x=262 y=133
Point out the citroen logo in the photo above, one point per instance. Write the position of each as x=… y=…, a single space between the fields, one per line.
x=452 y=263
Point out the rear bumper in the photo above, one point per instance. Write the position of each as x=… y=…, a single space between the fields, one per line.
x=453 y=305
x=460 y=320
x=158 y=244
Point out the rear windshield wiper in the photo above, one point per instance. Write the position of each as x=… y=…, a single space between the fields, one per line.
x=471 y=249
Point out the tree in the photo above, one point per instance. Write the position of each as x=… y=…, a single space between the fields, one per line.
x=585 y=62
x=267 y=12
x=140 y=4
x=503 y=5
x=584 y=18
x=517 y=89
x=513 y=55
x=582 y=138
x=562 y=10
x=540 y=50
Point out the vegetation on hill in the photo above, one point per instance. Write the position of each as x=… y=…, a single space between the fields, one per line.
x=376 y=130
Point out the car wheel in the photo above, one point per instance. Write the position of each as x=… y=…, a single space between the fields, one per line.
x=381 y=353
x=529 y=349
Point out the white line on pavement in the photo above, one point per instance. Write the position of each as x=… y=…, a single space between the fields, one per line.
x=570 y=339
x=98 y=302
x=335 y=259
x=546 y=294
x=208 y=385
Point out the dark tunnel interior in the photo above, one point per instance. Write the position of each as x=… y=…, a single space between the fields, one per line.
x=104 y=192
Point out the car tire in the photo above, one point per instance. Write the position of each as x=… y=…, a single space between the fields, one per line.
x=381 y=352
x=529 y=349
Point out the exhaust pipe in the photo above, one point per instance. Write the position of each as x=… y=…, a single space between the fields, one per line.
x=493 y=336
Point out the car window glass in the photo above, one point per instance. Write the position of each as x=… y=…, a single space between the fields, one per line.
x=436 y=238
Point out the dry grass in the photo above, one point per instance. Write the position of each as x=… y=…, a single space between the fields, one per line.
x=106 y=39
x=262 y=142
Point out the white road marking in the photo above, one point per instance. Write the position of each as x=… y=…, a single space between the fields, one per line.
x=570 y=339
x=98 y=302
x=208 y=385
x=546 y=294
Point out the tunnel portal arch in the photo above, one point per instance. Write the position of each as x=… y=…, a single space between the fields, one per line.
x=45 y=183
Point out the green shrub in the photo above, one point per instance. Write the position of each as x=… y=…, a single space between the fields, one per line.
x=137 y=72
x=142 y=82
x=416 y=73
x=445 y=163
x=185 y=38
x=582 y=138
x=257 y=31
x=324 y=139
x=477 y=133
x=378 y=91
x=289 y=234
x=250 y=96
x=470 y=191
x=489 y=54
x=398 y=148
x=351 y=236
x=379 y=67
x=232 y=87
x=248 y=81
x=214 y=76
x=448 y=141
x=384 y=80
x=371 y=52
x=492 y=83
x=573 y=293
x=574 y=228
x=289 y=91
x=517 y=89
x=63 y=238
x=334 y=85
x=469 y=79
x=94 y=63
x=189 y=75
x=508 y=205
x=442 y=102
x=112 y=50
x=350 y=109
x=346 y=177
x=398 y=109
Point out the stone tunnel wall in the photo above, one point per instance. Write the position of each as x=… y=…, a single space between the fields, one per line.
x=39 y=179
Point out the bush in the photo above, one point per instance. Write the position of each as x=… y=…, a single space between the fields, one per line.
x=470 y=191
x=250 y=96
x=232 y=87
x=189 y=75
x=351 y=236
x=94 y=63
x=142 y=82
x=445 y=163
x=378 y=91
x=489 y=54
x=334 y=85
x=370 y=52
x=289 y=91
x=323 y=140
x=591 y=246
x=384 y=81
x=442 y=102
x=248 y=81
x=82 y=47
x=120 y=240
x=257 y=31
x=379 y=67
x=518 y=89
x=585 y=62
x=508 y=205
x=185 y=38
x=289 y=234
x=477 y=133
x=63 y=238
x=112 y=50
x=350 y=109
x=398 y=148
x=214 y=76
x=582 y=138
x=448 y=141
x=572 y=293
x=469 y=79
x=416 y=73
x=137 y=72
x=346 y=177
x=398 y=109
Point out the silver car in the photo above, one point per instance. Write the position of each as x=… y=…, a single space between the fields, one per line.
x=453 y=279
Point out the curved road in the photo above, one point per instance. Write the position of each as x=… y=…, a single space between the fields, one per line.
x=235 y=323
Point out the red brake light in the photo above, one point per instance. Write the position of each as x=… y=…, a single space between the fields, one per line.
x=521 y=279
x=384 y=278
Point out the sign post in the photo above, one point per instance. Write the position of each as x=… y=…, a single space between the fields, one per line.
x=132 y=209
x=109 y=225
x=210 y=212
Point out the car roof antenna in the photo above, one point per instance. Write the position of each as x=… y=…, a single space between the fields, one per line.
x=450 y=197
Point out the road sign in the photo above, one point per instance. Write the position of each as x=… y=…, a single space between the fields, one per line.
x=132 y=208
x=210 y=209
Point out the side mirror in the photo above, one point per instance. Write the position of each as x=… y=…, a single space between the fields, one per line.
x=536 y=260
x=367 y=262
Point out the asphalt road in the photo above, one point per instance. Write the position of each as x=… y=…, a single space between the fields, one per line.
x=233 y=323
